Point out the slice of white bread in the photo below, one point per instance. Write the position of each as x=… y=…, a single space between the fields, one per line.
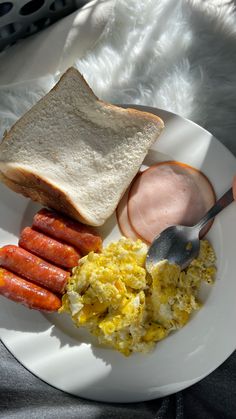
x=75 y=153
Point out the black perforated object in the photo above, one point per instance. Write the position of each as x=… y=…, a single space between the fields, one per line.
x=21 y=18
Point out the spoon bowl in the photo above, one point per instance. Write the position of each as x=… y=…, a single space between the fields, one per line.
x=181 y=244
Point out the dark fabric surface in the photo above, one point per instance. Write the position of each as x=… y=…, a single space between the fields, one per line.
x=22 y=395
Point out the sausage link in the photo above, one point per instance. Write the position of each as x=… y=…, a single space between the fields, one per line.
x=67 y=230
x=24 y=292
x=33 y=268
x=48 y=248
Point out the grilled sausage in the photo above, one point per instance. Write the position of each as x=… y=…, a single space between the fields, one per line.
x=67 y=230
x=33 y=268
x=48 y=248
x=24 y=292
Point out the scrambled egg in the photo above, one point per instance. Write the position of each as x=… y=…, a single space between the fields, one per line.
x=112 y=295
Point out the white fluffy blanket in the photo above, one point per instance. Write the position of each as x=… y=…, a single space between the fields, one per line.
x=179 y=55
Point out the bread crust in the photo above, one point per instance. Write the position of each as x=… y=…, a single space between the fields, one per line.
x=135 y=113
x=43 y=192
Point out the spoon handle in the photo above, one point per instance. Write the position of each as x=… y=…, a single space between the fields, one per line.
x=222 y=203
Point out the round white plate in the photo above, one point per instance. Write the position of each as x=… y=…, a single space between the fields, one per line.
x=70 y=360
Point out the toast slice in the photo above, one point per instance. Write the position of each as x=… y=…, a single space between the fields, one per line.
x=75 y=153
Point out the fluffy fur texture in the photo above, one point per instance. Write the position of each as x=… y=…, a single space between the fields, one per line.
x=179 y=55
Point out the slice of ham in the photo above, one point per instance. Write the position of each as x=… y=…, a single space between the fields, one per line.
x=166 y=194
x=122 y=218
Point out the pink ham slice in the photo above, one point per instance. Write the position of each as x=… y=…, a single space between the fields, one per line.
x=166 y=194
x=122 y=218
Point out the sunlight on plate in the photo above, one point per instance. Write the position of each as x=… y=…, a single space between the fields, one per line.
x=70 y=359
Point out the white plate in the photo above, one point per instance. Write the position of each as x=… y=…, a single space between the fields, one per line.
x=70 y=360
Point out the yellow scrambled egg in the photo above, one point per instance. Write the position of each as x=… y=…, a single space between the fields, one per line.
x=112 y=295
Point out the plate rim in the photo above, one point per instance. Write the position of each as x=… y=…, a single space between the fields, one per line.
x=186 y=384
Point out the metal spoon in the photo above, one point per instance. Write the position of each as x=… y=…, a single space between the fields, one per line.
x=180 y=244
